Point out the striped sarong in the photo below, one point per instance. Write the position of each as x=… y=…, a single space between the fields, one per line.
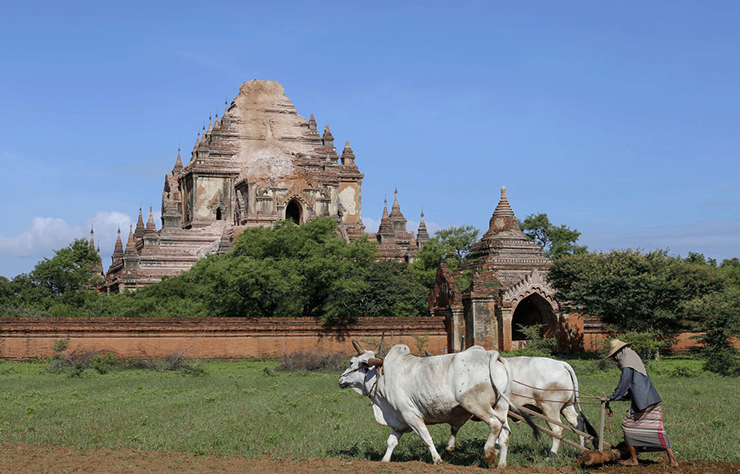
x=645 y=428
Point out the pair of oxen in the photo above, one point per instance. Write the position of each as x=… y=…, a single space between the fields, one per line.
x=409 y=392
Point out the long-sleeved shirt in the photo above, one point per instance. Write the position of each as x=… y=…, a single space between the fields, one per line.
x=636 y=387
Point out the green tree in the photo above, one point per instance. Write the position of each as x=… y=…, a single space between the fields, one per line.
x=556 y=241
x=392 y=290
x=449 y=246
x=287 y=271
x=631 y=290
x=719 y=321
x=58 y=286
x=731 y=269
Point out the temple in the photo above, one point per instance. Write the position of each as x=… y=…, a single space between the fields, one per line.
x=499 y=289
x=394 y=242
x=261 y=162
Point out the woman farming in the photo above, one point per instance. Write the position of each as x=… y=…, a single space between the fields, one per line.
x=643 y=424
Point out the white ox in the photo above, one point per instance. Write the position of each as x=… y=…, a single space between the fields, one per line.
x=547 y=386
x=555 y=392
x=408 y=393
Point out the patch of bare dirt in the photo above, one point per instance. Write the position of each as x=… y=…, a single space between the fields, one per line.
x=24 y=458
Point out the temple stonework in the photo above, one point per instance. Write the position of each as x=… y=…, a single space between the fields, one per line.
x=258 y=164
x=394 y=242
x=508 y=288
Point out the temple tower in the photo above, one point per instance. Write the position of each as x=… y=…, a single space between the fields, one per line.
x=508 y=288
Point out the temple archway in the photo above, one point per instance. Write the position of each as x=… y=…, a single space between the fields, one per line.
x=534 y=309
x=293 y=211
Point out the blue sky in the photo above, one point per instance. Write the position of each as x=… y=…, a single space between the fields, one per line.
x=617 y=119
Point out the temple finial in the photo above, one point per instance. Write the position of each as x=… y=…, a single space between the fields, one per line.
x=150 y=226
x=503 y=193
x=348 y=156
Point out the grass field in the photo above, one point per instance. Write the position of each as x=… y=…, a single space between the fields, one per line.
x=241 y=408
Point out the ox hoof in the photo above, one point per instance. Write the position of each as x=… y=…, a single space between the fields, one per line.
x=551 y=454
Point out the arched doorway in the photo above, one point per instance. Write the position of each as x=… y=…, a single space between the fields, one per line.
x=218 y=214
x=293 y=211
x=534 y=309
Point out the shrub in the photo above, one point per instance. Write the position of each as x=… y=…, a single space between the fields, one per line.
x=537 y=344
x=312 y=361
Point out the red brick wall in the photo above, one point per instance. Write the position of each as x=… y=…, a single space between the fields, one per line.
x=229 y=338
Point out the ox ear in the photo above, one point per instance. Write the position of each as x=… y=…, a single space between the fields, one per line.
x=357 y=347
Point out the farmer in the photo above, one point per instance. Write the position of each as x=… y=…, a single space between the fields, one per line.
x=643 y=424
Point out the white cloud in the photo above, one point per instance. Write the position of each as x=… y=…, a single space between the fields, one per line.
x=371 y=225
x=46 y=234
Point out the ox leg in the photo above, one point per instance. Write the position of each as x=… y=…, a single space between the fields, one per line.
x=503 y=443
x=453 y=433
x=570 y=414
x=558 y=430
x=421 y=429
x=493 y=418
x=392 y=443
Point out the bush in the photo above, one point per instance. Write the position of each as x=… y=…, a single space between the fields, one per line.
x=536 y=343
x=312 y=361
x=103 y=362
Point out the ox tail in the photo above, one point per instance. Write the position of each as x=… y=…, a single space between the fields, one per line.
x=502 y=393
x=583 y=423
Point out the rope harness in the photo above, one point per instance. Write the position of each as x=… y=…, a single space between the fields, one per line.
x=582 y=393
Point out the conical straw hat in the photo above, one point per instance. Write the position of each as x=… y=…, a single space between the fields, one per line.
x=614 y=346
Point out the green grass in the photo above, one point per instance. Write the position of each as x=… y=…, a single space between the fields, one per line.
x=240 y=408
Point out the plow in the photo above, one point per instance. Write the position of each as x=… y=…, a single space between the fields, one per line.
x=605 y=453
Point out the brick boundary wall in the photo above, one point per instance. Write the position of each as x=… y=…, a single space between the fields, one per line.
x=221 y=338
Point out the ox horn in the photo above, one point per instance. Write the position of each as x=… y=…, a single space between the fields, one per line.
x=374 y=361
x=428 y=353
x=357 y=347
x=380 y=350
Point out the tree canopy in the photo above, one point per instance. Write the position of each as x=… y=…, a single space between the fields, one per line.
x=56 y=285
x=449 y=246
x=280 y=271
x=556 y=241
x=631 y=290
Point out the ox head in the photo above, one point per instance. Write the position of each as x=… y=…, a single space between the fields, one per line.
x=362 y=368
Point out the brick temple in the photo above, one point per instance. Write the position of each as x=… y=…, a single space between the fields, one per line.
x=261 y=162
x=508 y=289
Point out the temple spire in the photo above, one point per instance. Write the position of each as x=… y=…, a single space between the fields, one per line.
x=396 y=209
x=92 y=238
x=118 y=250
x=130 y=243
x=503 y=221
x=422 y=235
x=150 y=225
x=348 y=156
x=312 y=123
x=386 y=226
x=327 y=139
x=139 y=232
x=178 y=163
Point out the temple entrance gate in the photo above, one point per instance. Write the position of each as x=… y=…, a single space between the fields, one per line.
x=293 y=211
